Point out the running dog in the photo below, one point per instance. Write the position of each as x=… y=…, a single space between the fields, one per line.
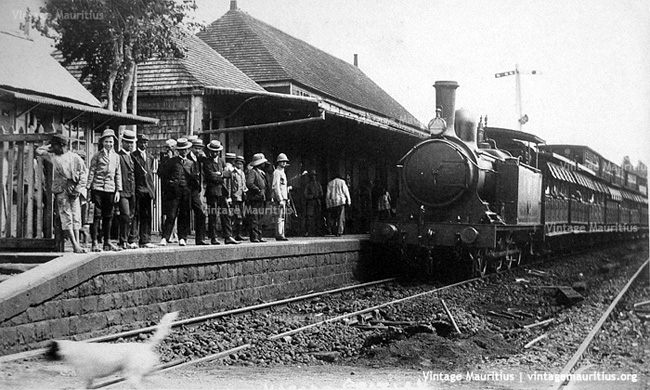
x=97 y=360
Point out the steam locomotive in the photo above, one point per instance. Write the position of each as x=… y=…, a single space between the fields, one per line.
x=492 y=196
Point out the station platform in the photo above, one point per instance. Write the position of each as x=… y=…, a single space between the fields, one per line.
x=92 y=294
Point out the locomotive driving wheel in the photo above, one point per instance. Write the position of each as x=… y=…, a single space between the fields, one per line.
x=479 y=262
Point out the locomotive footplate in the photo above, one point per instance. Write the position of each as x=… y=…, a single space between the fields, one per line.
x=452 y=234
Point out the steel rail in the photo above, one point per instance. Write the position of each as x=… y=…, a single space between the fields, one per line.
x=585 y=343
x=219 y=355
x=135 y=332
x=177 y=364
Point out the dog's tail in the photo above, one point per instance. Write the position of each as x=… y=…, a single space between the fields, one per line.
x=163 y=328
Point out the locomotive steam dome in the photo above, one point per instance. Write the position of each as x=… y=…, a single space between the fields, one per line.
x=438 y=172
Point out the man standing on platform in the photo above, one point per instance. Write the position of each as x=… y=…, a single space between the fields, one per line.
x=280 y=195
x=337 y=197
x=183 y=178
x=127 y=197
x=105 y=183
x=257 y=184
x=313 y=195
x=217 y=194
x=238 y=194
x=145 y=192
x=68 y=183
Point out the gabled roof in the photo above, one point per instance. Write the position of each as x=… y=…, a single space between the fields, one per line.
x=202 y=67
x=26 y=67
x=267 y=54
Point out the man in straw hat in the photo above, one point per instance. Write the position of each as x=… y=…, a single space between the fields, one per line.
x=257 y=184
x=127 y=197
x=145 y=192
x=68 y=184
x=105 y=183
x=280 y=195
x=182 y=177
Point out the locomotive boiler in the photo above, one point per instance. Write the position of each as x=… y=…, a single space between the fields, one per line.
x=459 y=192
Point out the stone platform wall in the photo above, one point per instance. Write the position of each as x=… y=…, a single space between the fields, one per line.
x=84 y=296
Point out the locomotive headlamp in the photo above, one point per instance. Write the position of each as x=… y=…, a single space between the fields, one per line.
x=437 y=125
x=468 y=235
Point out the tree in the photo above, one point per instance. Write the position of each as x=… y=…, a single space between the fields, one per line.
x=109 y=37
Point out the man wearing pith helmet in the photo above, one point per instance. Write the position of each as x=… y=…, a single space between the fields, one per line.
x=280 y=195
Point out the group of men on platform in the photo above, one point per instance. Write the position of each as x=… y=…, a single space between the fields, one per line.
x=194 y=180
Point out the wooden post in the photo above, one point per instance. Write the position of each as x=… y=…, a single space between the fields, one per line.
x=10 y=187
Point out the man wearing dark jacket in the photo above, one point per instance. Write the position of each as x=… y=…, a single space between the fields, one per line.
x=217 y=194
x=182 y=177
x=127 y=197
x=257 y=183
x=145 y=192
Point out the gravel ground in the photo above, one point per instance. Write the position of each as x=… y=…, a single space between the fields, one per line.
x=489 y=353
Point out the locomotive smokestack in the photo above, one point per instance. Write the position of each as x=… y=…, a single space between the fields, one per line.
x=446 y=99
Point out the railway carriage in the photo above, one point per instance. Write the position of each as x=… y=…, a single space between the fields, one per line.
x=491 y=196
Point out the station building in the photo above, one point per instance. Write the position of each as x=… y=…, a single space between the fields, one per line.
x=37 y=98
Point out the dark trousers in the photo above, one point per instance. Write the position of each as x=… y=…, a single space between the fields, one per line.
x=337 y=220
x=313 y=215
x=217 y=206
x=256 y=212
x=103 y=202
x=127 y=209
x=178 y=207
x=199 y=215
x=141 y=225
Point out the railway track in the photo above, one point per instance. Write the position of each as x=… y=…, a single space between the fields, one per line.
x=180 y=363
x=485 y=284
x=570 y=366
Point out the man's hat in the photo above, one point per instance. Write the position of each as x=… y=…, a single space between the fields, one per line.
x=313 y=172
x=107 y=133
x=282 y=157
x=240 y=158
x=197 y=142
x=143 y=137
x=183 y=143
x=215 y=145
x=59 y=139
x=192 y=137
x=171 y=143
x=128 y=136
x=231 y=156
x=258 y=158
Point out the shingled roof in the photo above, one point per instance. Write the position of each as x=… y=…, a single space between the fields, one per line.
x=202 y=67
x=267 y=54
x=27 y=67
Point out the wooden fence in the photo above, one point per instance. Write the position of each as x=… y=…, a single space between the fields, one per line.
x=26 y=202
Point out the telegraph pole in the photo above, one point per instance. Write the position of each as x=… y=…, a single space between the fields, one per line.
x=522 y=118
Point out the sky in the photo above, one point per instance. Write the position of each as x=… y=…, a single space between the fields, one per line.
x=591 y=57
